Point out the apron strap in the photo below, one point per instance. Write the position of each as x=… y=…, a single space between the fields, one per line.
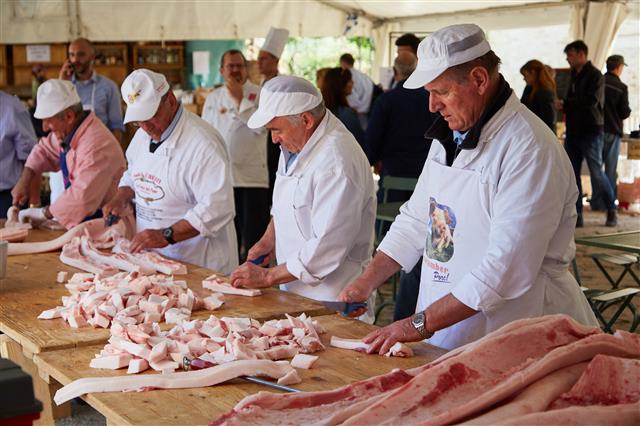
x=64 y=168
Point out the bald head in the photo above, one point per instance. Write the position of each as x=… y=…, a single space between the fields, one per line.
x=404 y=64
x=83 y=43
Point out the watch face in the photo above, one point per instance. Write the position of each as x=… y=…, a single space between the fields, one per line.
x=418 y=319
x=167 y=232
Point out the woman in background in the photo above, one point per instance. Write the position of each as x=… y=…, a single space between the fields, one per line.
x=335 y=87
x=540 y=94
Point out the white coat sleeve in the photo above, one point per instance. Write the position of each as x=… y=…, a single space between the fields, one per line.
x=405 y=240
x=210 y=186
x=335 y=222
x=530 y=197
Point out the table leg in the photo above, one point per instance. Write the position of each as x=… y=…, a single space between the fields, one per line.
x=44 y=391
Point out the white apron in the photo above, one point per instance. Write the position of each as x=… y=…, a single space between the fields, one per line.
x=290 y=226
x=457 y=240
x=158 y=206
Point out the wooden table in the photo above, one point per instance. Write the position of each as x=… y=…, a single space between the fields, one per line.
x=30 y=287
x=336 y=367
x=621 y=241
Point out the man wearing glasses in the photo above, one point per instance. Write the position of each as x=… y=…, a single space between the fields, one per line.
x=228 y=109
x=178 y=176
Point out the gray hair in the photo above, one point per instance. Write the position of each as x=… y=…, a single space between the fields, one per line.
x=76 y=109
x=405 y=65
x=317 y=112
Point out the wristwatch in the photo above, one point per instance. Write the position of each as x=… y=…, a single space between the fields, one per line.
x=419 y=322
x=167 y=233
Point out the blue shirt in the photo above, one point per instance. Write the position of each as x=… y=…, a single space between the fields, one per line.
x=458 y=137
x=103 y=96
x=17 y=138
x=289 y=158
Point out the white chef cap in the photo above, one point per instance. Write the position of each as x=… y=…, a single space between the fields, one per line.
x=276 y=41
x=284 y=95
x=447 y=47
x=54 y=96
x=142 y=91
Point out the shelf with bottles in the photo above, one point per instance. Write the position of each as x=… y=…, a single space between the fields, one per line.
x=158 y=56
x=110 y=55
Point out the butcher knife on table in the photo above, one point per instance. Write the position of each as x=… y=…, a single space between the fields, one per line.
x=344 y=308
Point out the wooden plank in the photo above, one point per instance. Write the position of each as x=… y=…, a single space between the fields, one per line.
x=336 y=367
x=30 y=287
x=42 y=389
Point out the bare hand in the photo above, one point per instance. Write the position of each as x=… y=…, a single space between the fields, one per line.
x=382 y=339
x=249 y=275
x=66 y=71
x=116 y=206
x=21 y=191
x=357 y=291
x=261 y=248
x=235 y=90
x=149 y=238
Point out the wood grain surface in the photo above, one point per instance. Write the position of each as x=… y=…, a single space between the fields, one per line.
x=30 y=287
x=334 y=368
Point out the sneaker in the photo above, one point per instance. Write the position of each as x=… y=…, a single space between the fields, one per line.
x=579 y=221
x=612 y=218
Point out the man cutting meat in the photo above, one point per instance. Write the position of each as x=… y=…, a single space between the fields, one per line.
x=79 y=145
x=179 y=176
x=500 y=182
x=323 y=201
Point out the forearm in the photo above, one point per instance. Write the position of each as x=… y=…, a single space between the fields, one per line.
x=183 y=230
x=279 y=275
x=379 y=270
x=446 y=312
x=269 y=235
x=125 y=194
x=34 y=190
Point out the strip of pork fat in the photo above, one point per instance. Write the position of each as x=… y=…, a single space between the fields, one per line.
x=466 y=385
x=190 y=379
x=592 y=415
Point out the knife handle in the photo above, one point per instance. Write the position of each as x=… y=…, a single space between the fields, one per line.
x=350 y=307
x=258 y=260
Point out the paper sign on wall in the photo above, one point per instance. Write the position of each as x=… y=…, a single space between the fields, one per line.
x=38 y=53
x=201 y=62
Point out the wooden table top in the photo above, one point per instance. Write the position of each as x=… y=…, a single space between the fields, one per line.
x=334 y=368
x=622 y=241
x=30 y=287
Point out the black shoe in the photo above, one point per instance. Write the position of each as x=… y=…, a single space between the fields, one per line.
x=612 y=218
x=579 y=221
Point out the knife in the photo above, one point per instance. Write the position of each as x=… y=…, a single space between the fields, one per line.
x=263 y=382
x=344 y=308
x=111 y=219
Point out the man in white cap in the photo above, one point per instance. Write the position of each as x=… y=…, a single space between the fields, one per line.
x=268 y=59
x=179 y=176
x=493 y=213
x=228 y=109
x=323 y=203
x=80 y=146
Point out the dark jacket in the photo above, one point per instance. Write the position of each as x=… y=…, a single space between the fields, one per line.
x=584 y=104
x=616 y=104
x=395 y=131
x=542 y=105
x=349 y=118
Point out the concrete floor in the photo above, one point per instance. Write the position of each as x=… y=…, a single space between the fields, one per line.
x=591 y=277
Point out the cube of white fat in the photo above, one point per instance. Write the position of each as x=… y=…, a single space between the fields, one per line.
x=154 y=298
x=303 y=361
x=137 y=366
x=165 y=366
x=100 y=321
x=213 y=302
x=81 y=276
x=158 y=352
x=152 y=317
x=61 y=277
x=112 y=362
x=298 y=332
x=51 y=313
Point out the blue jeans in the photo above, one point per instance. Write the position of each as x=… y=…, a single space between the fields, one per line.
x=589 y=147
x=610 y=153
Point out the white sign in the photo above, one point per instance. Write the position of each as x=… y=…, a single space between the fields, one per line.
x=38 y=53
x=201 y=62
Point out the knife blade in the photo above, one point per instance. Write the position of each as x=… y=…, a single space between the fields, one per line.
x=263 y=382
x=344 y=308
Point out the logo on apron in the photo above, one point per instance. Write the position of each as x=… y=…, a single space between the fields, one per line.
x=440 y=229
x=148 y=189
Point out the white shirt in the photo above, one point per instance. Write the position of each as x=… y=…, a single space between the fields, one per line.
x=360 y=97
x=247 y=147
x=198 y=176
x=530 y=199
x=333 y=207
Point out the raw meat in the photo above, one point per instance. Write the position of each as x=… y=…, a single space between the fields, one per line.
x=593 y=415
x=190 y=379
x=118 y=260
x=149 y=260
x=71 y=255
x=303 y=361
x=523 y=366
x=352 y=344
x=101 y=236
x=13 y=235
x=216 y=283
x=399 y=350
x=608 y=380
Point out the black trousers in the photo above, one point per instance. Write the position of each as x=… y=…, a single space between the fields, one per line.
x=5 y=202
x=252 y=217
x=407 y=298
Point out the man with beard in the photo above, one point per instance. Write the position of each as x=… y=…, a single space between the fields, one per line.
x=228 y=109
